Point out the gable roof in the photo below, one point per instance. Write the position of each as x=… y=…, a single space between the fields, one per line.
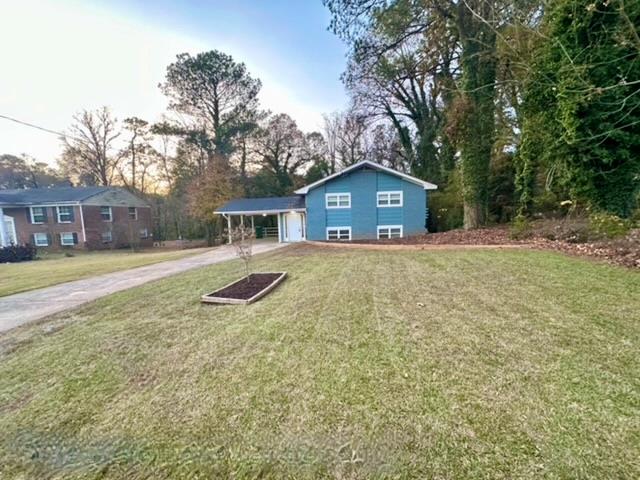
x=247 y=206
x=37 y=196
x=375 y=166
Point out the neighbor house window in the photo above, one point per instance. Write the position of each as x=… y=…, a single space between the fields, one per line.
x=144 y=233
x=38 y=215
x=339 y=233
x=67 y=238
x=105 y=214
x=338 y=200
x=389 y=231
x=107 y=237
x=65 y=214
x=389 y=199
x=133 y=213
x=41 y=239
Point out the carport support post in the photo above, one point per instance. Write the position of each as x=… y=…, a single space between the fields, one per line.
x=228 y=217
x=253 y=224
x=4 y=237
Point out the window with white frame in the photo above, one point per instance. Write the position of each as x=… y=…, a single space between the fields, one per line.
x=338 y=200
x=339 y=233
x=107 y=237
x=133 y=213
x=105 y=214
x=65 y=214
x=389 y=231
x=67 y=238
x=38 y=215
x=144 y=233
x=390 y=199
x=41 y=239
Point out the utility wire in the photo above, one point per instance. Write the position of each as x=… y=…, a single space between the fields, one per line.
x=27 y=124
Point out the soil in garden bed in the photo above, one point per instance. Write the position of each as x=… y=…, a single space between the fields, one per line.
x=248 y=287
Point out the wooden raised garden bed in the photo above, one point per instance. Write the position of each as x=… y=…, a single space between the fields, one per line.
x=246 y=290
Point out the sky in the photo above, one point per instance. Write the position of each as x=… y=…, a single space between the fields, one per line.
x=58 y=57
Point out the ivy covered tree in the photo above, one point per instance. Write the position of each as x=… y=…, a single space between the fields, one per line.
x=582 y=107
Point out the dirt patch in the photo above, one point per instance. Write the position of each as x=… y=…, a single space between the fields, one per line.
x=482 y=236
x=624 y=251
x=247 y=287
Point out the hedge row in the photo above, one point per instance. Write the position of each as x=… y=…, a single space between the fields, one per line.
x=17 y=253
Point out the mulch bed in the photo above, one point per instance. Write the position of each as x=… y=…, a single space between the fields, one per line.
x=624 y=251
x=247 y=287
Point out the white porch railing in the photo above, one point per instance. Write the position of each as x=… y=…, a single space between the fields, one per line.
x=270 y=231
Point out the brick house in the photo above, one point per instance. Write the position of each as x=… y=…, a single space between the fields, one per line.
x=74 y=217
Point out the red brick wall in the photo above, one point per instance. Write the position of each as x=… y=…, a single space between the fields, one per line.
x=25 y=229
x=123 y=229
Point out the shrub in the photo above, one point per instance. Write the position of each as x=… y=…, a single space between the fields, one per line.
x=445 y=206
x=17 y=253
x=569 y=229
x=520 y=228
x=607 y=225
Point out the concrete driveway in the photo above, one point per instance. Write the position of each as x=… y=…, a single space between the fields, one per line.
x=21 y=308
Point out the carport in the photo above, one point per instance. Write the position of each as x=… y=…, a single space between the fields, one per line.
x=289 y=211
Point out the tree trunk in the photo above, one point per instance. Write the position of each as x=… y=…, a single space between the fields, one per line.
x=478 y=106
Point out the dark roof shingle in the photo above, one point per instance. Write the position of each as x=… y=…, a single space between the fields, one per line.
x=33 y=196
x=240 y=205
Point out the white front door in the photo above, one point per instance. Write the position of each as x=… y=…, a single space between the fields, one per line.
x=293 y=226
x=10 y=228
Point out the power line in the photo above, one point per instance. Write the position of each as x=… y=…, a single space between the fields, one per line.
x=27 y=124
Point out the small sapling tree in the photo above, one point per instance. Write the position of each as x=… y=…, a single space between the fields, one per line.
x=242 y=240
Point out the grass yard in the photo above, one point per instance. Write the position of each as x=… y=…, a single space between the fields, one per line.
x=363 y=364
x=56 y=268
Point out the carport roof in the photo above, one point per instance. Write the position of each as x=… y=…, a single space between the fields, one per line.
x=255 y=206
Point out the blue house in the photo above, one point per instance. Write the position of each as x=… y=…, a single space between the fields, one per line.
x=363 y=201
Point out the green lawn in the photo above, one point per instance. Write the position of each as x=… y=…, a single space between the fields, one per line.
x=55 y=268
x=363 y=364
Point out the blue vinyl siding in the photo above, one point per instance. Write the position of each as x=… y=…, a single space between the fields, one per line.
x=363 y=198
x=389 y=182
x=414 y=214
x=338 y=217
x=316 y=214
x=364 y=216
x=390 y=216
x=338 y=185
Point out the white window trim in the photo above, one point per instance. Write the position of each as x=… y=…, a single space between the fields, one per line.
x=46 y=239
x=146 y=233
x=32 y=219
x=110 y=236
x=110 y=213
x=388 y=194
x=62 y=242
x=336 y=194
x=58 y=213
x=135 y=217
x=381 y=227
x=338 y=228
